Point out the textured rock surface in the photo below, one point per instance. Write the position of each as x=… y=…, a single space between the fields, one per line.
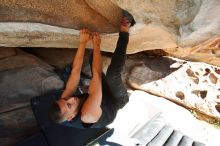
x=21 y=60
x=65 y=13
x=7 y=52
x=208 y=51
x=178 y=26
x=58 y=57
x=22 y=77
x=193 y=85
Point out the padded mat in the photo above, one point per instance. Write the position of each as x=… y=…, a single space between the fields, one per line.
x=59 y=135
x=156 y=132
x=35 y=140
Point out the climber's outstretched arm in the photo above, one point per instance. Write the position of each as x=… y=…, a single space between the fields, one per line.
x=74 y=77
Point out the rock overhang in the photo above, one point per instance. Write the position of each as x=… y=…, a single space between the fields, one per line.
x=171 y=25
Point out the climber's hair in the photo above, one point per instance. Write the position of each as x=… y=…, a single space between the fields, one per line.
x=54 y=113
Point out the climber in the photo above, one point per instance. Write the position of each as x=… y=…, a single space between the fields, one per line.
x=106 y=94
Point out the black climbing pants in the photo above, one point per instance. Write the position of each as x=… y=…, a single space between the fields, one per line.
x=113 y=74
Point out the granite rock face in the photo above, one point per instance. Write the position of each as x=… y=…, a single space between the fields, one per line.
x=73 y=14
x=176 y=26
x=193 y=85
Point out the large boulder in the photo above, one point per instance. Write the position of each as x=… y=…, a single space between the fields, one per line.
x=175 y=25
x=193 y=85
x=23 y=76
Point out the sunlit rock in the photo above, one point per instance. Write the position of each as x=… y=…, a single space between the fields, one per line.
x=177 y=26
x=192 y=85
